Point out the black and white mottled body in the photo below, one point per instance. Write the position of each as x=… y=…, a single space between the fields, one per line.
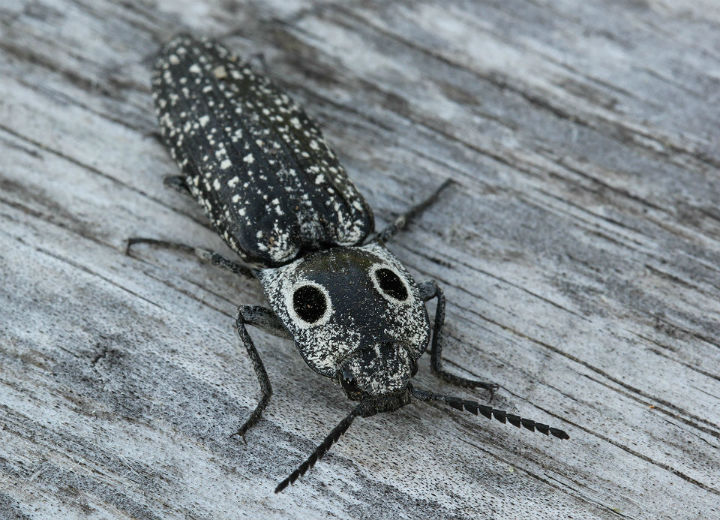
x=373 y=325
x=276 y=193
x=257 y=164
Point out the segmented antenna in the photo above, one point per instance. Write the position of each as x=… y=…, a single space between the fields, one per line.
x=489 y=412
x=323 y=448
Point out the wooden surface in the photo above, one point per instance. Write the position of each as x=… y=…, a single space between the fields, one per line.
x=580 y=254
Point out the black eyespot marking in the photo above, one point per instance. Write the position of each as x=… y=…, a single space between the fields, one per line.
x=309 y=303
x=391 y=284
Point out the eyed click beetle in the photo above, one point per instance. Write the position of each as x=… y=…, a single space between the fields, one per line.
x=275 y=192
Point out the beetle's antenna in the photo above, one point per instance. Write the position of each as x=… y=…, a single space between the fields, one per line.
x=489 y=412
x=321 y=450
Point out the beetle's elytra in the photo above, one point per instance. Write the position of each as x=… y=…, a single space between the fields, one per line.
x=275 y=192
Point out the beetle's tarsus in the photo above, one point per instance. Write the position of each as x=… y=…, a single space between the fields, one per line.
x=240 y=433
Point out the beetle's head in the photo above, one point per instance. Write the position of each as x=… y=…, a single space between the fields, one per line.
x=356 y=316
x=376 y=370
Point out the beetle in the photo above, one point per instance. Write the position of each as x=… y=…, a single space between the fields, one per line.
x=276 y=193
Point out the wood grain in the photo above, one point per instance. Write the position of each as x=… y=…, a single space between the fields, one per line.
x=579 y=252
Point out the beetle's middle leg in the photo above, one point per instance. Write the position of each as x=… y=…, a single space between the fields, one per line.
x=267 y=320
x=428 y=291
x=203 y=254
x=402 y=221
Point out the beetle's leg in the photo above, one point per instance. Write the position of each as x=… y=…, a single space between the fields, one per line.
x=253 y=316
x=402 y=221
x=203 y=254
x=489 y=412
x=265 y=319
x=428 y=291
x=177 y=183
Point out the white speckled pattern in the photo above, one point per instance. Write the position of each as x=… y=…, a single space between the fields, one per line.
x=360 y=317
x=256 y=163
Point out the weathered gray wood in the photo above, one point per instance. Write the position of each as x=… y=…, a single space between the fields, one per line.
x=580 y=256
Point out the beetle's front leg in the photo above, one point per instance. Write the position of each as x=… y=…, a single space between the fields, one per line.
x=267 y=320
x=428 y=291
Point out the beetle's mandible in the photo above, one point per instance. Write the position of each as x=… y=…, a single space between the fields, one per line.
x=276 y=193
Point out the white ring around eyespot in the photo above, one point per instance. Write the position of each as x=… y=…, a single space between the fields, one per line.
x=376 y=283
x=290 y=306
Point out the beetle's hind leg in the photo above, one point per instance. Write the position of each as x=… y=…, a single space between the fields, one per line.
x=203 y=254
x=428 y=291
x=177 y=183
x=265 y=319
x=415 y=211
